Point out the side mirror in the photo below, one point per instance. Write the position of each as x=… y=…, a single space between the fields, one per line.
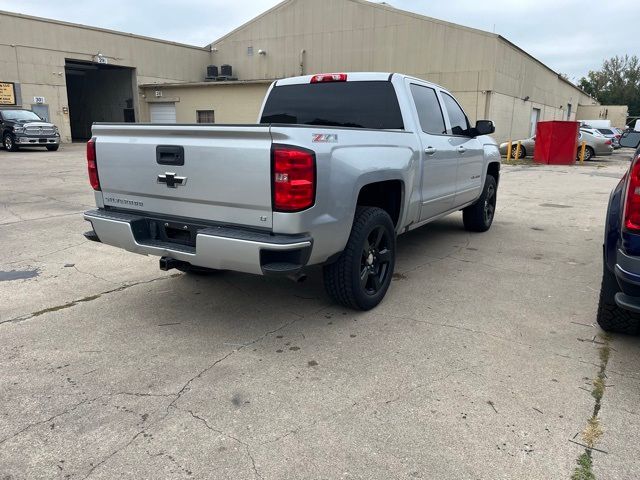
x=485 y=127
x=630 y=139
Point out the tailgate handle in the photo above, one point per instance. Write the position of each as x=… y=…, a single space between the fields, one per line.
x=170 y=155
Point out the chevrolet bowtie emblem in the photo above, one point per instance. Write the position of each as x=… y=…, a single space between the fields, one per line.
x=171 y=180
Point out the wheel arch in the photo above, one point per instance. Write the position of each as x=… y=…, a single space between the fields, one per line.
x=493 y=169
x=385 y=194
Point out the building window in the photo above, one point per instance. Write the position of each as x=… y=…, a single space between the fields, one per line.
x=249 y=51
x=206 y=116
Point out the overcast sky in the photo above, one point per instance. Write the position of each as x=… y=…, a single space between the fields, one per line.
x=571 y=36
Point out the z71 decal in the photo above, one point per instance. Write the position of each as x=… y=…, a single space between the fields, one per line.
x=324 y=138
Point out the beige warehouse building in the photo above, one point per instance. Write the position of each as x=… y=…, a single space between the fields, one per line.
x=75 y=75
x=87 y=74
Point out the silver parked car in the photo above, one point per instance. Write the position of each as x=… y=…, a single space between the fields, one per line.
x=527 y=147
x=597 y=145
x=612 y=134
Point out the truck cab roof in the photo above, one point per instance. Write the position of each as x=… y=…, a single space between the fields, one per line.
x=347 y=77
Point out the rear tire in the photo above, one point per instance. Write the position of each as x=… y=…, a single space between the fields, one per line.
x=52 y=148
x=612 y=318
x=514 y=150
x=361 y=276
x=479 y=216
x=588 y=153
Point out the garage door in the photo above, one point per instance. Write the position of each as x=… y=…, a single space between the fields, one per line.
x=162 y=112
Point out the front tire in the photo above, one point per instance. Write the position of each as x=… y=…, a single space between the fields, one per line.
x=9 y=143
x=612 y=318
x=361 y=276
x=479 y=216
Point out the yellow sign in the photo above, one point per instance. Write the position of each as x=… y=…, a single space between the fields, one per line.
x=7 y=93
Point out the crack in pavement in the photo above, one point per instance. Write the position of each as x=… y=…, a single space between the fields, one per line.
x=93 y=275
x=42 y=422
x=37 y=258
x=75 y=406
x=409 y=391
x=185 y=387
x=90 y=298
x=227 y=435
x=333 y=414
x=115 y=452
x=593 y=431
x=24 y=220
x=492 y=335
x=17 y=215
x=46 y=197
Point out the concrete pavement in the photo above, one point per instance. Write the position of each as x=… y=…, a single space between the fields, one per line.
x=478 y=364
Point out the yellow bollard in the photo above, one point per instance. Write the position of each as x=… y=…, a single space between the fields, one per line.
x=518 y=150
x=509 y=148
x=583 y=149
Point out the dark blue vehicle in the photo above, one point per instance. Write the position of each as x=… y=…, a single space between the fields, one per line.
x=619 y=306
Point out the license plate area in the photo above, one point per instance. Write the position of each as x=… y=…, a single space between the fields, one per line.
x=180 y=233
x=156 y=230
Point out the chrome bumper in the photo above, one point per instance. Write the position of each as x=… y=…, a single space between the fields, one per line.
x=28 y=140
x=218 y=247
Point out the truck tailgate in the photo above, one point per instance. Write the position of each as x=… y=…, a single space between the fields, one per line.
x=223 y=176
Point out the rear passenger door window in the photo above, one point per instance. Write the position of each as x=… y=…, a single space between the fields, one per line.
x=429 y=110
x=457 y=118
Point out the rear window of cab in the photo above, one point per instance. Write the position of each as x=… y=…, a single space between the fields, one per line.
x=366 y=104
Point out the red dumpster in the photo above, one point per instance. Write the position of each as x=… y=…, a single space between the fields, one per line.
x=556 y=142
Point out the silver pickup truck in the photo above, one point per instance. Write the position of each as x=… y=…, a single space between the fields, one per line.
x=338 y=166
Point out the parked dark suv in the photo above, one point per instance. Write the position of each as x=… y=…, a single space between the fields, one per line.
x=619 y=307
x=24 y=128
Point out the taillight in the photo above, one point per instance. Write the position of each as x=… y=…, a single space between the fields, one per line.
x=632 y=204
x=92 y=166
x=329 y=77
x=294 y=178
x=608 y=142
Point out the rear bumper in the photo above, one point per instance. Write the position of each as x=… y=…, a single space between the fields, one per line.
x=604 y=151
x=216 y=246
x=627 y=272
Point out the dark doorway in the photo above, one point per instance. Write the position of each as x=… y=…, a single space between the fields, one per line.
x=98 y=93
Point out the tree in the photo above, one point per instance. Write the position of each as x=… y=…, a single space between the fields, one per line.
x=616 y=83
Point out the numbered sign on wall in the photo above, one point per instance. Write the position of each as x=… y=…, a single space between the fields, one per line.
x=39 y=100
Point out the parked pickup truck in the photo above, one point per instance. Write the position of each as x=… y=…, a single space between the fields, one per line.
x=338 y=166
x=19 y=127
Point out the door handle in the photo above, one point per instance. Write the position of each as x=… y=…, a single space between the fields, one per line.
x=461 y=149
x=430 y=150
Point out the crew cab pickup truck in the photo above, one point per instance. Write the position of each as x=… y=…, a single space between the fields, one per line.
x=619 y=306
x=338 y=166
x=19 y=127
